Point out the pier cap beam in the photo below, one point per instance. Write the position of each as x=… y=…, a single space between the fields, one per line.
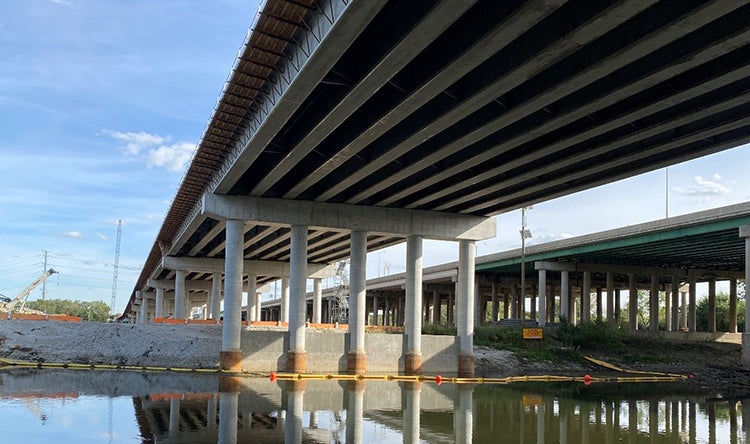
x=261 y=268
x=346 y=217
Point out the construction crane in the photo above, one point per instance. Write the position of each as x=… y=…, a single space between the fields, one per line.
x=23 y=295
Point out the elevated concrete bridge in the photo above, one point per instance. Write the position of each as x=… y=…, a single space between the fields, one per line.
x=350 y=126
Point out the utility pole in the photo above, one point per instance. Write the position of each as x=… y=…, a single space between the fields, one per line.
x=116 y=268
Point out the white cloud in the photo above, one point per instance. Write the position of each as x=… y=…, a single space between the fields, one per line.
x=136 y=142
x=172 y=157
x=158 y=153
x=73 y=234
x=61 y=2
x=102 y=236
x=705 y=188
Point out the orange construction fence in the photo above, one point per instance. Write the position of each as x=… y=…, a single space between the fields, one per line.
x=38 y=317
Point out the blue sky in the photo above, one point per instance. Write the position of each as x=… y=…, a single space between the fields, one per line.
x=102 y=103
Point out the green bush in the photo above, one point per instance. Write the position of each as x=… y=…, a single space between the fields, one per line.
x=498 y=336
x=437 y=329
x=590 y=335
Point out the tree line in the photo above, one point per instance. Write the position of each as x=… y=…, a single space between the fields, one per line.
x=96 y=311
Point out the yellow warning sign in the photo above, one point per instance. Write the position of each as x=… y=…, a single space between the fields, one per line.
x=532 y=333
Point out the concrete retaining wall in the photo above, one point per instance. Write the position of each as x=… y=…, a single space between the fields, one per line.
x=263 y=351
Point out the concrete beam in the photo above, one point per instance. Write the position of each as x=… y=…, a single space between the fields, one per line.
x=263 y=268
x=637 y=269
x=168 y=284
x=345 y=217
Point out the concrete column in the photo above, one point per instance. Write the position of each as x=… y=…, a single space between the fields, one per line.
x=296 y=358
x=542 y=309
x=413 y=321
x=387 y=312
x=675 y=312
x=610 y=297
x=495 y=304
x=733 y=306
x=653 y=300
x=375 y=309
x=356 y=360
x=599 y=304
x=564 y=296
x=258 y=307
x=252 y=300
x=712 y=305
x=683 y=310
x=514 y=312
x=317 y=300
x=159 y=309
x=180 y=294
x=586 y=297
x=435 y=307
x=692 y=295
x=284 y=316
x=230 y=357
x=467 y=251
x=141 y=319
x=214 y=309
x=451 y=308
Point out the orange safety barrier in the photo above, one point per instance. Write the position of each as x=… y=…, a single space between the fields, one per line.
x=169 y=321
x=38 y=317
x=203 y=321
x=64 y=318
x=268 y=324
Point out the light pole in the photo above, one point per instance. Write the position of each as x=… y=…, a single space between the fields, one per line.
x=525 y=234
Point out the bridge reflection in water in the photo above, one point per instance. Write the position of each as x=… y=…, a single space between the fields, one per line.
x=192 y=408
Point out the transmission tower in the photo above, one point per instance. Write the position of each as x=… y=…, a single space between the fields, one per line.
x=116 y=268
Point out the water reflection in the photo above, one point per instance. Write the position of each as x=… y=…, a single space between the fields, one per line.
x=167 y=408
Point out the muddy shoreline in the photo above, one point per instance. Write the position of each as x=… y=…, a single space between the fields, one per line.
x=714 y=368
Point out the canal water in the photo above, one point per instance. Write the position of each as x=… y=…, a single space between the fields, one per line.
x=83 y=406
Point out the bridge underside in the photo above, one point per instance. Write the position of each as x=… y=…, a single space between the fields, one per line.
x=466 y=108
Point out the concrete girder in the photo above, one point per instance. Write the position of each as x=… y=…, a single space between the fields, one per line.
x=439 y=18
x=264 y=268
x=550 y=56
x=577 y=113
x=379 y=220
x=502 y=35
x=377 y=242
x=347 y=22
x=208 y=237
x=637 y=269
x=168 y=284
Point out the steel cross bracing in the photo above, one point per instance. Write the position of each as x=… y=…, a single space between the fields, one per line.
x=474 y=107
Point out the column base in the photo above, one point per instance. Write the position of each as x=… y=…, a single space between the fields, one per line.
x=230 y=360
x=413 y=363
x=356 y=362
x=465 y=365
x=296 y=361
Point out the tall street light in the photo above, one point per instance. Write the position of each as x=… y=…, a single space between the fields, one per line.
x=525 y=234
